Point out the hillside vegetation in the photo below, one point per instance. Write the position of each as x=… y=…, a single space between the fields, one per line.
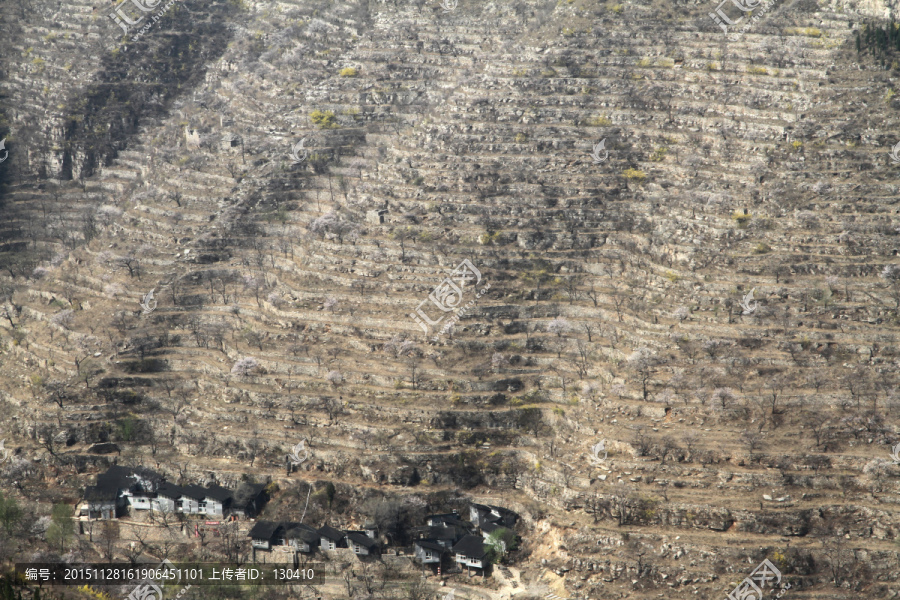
x=718 y=299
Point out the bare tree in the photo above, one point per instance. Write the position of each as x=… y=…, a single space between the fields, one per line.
x=131 y=263
x=594 y=504
x=565 y=377
x=835 y=552
x=232 y=542
x=775 y=387
x=641 y=441
x=559 y=327
x=752 y=441
x=332 y=407
x=891 y=276
x=179 y=404
x=622 y=503
x=817 y=379
x=691 y=441
x=583 y=358
x=107 y=538
x=46 y=438
x=253 y=447
x=593 y=294
x=642 y=363
x=818 y=423
x=571 y=286
x=589 y=328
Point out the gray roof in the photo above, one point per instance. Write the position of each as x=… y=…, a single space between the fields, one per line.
x=264 y=530
x=98 y=493
x=194 y=492
x=471 y=546
x=361 y=539
x=429 y=545
x=490 y=527
x=331 y=533
x=217 y=492
x=300 y=531
x=247 y=492
x=170 y=490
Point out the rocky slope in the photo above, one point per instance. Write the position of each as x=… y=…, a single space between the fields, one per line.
x=612 y=287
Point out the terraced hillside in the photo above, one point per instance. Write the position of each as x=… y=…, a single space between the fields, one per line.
x=613 y=292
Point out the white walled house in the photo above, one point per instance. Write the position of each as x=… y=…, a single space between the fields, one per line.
x=331 y=538
x=470 y=552
x=217 y=501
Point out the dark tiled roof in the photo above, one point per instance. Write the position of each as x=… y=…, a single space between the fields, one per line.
x=331 y=533
x=169 y=490
x=194 y=492
x=116 y=475
x=98 y=493
x=300 y=531
x=456 y=522
x=438 y=533
x=441 y=516
x=490 y=508
x=429 y=545
x=471 y=546
x=247 y=492
x=217 y=492
x=361 y=539
x=491 y=527
x=124 y=478
x=506 y=515
x=264 y=530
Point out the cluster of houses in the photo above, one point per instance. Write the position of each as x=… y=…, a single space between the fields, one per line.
x=123 y=488
x=444 y=539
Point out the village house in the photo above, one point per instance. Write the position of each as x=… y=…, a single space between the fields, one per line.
x=249 y=500
x=448 y=520
x=470 y=552
x=331 y=538
x=433 y=543
x=266 y=534
x=370 y=529
x=191 y=497
x=445 y=536
x=217 y=501
x=361 y=544
x=100 y=502
x=168 y=496
x=302 y=538
x=482 y=513
x=428 y=552
x=120 y=488
x=117 y=489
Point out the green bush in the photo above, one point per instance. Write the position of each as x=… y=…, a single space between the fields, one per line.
x=62 y=527
x=599 y=122
x=324 y=119
x=742 y=219
x=10 y=513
